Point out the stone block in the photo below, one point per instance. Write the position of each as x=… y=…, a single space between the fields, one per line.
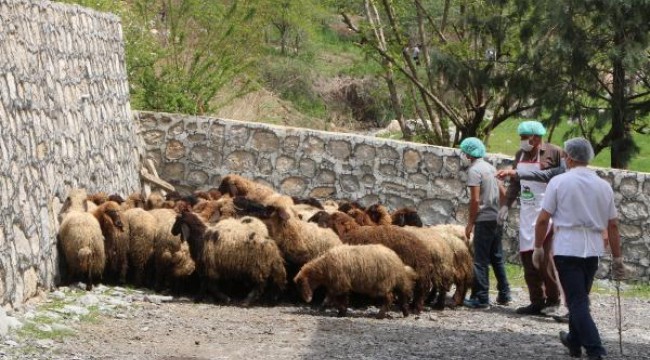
x=265 y=141
x=154 y=137
x=323 y=192
x=411 y=161
x=174 y=150
x=265 y=166
x=386 y=152
x=197 y=178
x=364 y=153
x=307 y=167
x=177 y=129
x=388 y=170
x=349 y=183
x=629 y=187
x=173 y=171
x=285 y=164
x=433 y=211
x=339 y=149
x=313 y=147
x=237 y=135
x=240 y=161
x=293 y=186
x=216 y=133
x=205 y=155
x=634 y=211
x=30 y=283
x=326 y=177
x=432 y=163
x=290 y=144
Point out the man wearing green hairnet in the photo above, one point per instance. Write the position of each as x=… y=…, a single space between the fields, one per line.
x=484 y=192
x=534 y=154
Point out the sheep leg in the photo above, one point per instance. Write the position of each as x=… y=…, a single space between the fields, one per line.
x=404 y=304
x=253 y=296
x=89 y=279
x=342 y=304
x=440 y=299
x=387 y=302
x=418 y=299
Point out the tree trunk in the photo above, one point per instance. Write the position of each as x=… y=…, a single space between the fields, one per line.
x=620 y=146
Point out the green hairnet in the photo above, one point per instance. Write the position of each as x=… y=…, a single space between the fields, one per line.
x=473 y=147
x=531 y=128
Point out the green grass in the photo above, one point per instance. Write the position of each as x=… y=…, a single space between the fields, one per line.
x=504 y=140
x=515 y=274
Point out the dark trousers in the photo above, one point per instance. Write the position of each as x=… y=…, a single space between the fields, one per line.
x=488 y=250
x=542 y=286
x=577 y=276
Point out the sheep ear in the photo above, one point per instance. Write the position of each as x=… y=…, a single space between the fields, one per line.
x=185 y=232
x=232 y=189
x=284 y=215
x=215 y=217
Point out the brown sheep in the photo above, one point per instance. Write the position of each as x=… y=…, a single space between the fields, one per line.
x=116 y=242
x=461 y=247
x=361 y=217
x=172 y=262
x=409 y=248
x=406 y=217
x=235 y=185
x=372 y=270
x=140 y=227
x=80 y=240
x=443 y=261
x=298 y=240
x=379 y=215
x=98 y=198
x=232 y=249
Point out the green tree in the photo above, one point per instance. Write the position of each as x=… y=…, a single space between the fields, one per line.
x=471 y=76
x=598 y=52
x=180 y=54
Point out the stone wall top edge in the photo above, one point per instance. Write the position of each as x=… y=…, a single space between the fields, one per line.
x=337 y=135
x=66 y=7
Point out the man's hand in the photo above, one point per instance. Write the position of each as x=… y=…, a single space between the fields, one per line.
x=502 y=174
x=619 y=270
x=502 y=216
x=468 y=230
x=538 y=257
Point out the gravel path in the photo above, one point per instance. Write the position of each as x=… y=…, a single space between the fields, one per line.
x=115 y=323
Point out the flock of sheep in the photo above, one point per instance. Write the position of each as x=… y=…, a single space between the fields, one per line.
x=245 y=239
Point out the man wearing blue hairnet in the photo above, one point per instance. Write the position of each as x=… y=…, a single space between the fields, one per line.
x=534 y=154
x=581 y=205
x=485 y=192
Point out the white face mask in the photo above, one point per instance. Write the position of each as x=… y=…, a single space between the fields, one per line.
x=525 y=145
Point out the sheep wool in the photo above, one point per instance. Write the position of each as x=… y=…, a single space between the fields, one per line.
x=407 y=246
x=81 y=241
x=373 y=270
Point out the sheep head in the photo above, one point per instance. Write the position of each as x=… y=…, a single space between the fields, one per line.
x=109 y=213
x=117 y=198
x=406 y=216
x=361 y=217
x=76 y=200
x=347 y=206
x=321 y=218
x=304 y=288
x=342 y=223
x=309 y=201
x=230 y=185
x=379 y=214
x=244 y=206
x=98 y=198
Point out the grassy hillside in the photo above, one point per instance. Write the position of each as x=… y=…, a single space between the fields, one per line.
x=504 y=140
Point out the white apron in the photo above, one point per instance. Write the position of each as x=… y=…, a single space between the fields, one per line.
x=530 y=197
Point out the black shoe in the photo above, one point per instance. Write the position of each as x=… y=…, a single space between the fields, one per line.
x=573 y=352
x=504 y=300
x=531 y=309
x=595 y=357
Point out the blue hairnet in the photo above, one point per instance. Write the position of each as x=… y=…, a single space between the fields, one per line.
x=531 y=128
x=579 y=149
x=473 y=147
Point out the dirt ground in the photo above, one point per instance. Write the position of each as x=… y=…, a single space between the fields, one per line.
x=141 y=328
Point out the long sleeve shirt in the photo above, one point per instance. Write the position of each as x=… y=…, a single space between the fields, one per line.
x=550 y=156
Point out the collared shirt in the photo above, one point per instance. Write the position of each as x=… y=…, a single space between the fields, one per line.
x=483 y=174
x=581 y=205
x=550 y=156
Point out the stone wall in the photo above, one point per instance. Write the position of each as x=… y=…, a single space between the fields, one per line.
x=196 y=152
x=65 y=122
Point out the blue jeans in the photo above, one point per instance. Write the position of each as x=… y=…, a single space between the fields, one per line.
x=576 y=277
x=488 y=250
